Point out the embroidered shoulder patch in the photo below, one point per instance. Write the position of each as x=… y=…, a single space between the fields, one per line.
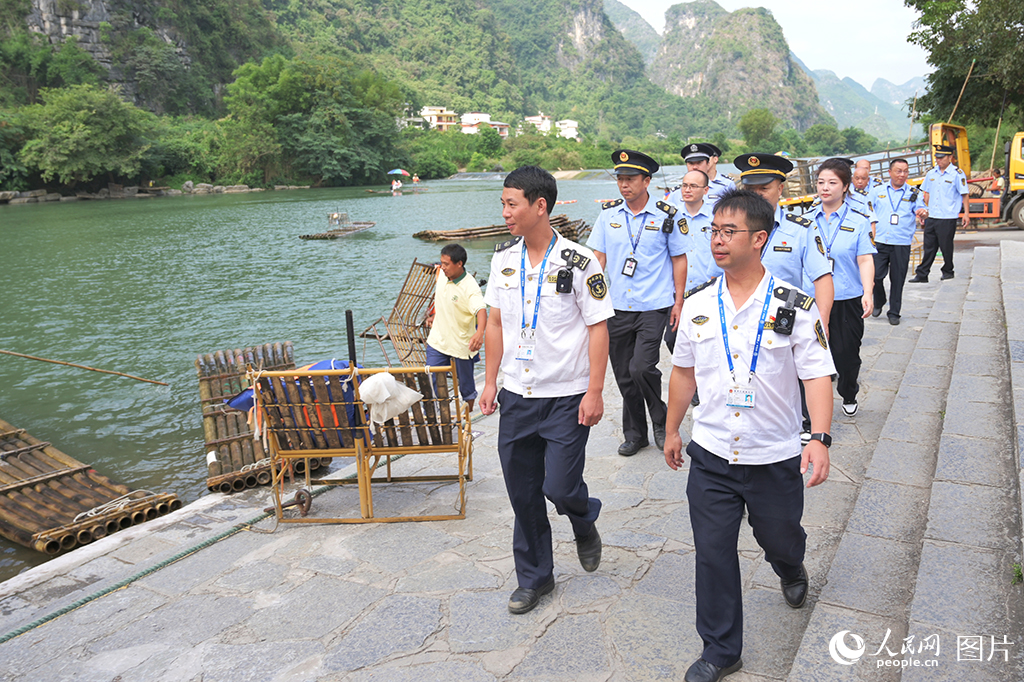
x=820 y=245
x=596 y=285
x=684 y=227
x=820 y=334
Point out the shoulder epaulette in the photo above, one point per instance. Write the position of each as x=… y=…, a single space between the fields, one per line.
x=860 y=191
x=802 y=300
x=573 y=259
x=506 y=244
x=798 y=219
x=611 y=204
x=667 y=208
x=699 y=287
x=861 y=213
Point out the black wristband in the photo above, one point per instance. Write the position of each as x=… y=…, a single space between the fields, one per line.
x=825 y=439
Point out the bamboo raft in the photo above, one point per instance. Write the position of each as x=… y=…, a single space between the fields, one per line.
x=235 y=460
x=343 y=227
x=51 y=502
x=405 y=327
x=575 y=230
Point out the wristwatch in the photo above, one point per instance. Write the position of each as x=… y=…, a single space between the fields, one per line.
x=825 y=439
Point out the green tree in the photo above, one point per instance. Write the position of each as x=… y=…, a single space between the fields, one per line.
x=80 y=132
x=12 y=136
x=489 y=142
x=957 y=33
x=757 y=125
x=825 y=140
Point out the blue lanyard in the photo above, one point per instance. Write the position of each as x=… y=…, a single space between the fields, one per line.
x=889 y=193
x=629 y=229
x=540 y=281
x=760 y=328
x=830 y=242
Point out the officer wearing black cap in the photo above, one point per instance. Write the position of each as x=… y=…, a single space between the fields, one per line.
x=703 y=156
x=642 y=246
x=793 y=251
x=945 y=193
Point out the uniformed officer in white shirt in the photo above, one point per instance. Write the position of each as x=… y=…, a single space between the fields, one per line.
x=945 y=193
x=896 y=208
x=547 y=333
x=642 y=245
x=703 y=156
x=745 y=449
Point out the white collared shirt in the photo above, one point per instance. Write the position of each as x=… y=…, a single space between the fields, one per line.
x=770 y=431
x=561 y=366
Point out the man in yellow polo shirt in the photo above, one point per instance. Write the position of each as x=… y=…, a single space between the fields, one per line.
x=459 y=320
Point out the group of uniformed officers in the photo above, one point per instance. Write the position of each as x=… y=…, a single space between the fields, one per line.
x=725 y=277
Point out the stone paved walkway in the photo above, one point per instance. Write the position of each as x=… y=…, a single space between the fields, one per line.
x=427 y=601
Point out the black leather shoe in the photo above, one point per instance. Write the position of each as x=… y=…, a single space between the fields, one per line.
x=659 y=436
x=876 y=312
x=894 y=320
x=945 y=276
x=919 y=280
x=795 y=591
x=525 y=599
x=589 y=551
x=702 y=671
x=631 y=447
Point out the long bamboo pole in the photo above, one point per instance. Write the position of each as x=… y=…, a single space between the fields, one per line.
x=962 y=88
x=71 y=364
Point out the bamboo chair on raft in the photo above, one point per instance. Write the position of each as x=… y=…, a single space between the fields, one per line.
x=303 y=414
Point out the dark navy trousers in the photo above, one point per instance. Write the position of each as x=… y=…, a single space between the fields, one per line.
x=542 y=448
x=717 y=492
x=634 y=340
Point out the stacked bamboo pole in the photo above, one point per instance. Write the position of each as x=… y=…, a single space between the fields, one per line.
x=235 y=460
x=51 y=502
x=574 y=230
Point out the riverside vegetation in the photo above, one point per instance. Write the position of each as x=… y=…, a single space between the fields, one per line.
x=313 y=92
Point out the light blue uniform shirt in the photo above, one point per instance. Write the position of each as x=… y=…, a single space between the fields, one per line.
x=846 y=235
x=717 y=187
x=888 y=201
x=945 y=191
x=700 y=266
x=792 y=254
x=861 y=199
x=651 y=287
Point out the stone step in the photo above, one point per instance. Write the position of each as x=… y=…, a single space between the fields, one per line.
x=870 y=579
x=964 y=593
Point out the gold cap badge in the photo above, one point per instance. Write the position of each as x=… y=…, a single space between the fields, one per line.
x=754 y=161
x=623 y=157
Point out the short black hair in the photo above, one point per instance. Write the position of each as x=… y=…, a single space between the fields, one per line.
x=760 y=215
x=707 y=180
x=535 y=183
x=841 y=167
x=898 y=160
x=455 y=253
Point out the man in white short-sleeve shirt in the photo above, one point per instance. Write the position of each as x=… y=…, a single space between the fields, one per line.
x=745 y=450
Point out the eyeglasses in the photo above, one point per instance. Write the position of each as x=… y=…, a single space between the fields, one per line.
x=691 y=187
x=725 y=235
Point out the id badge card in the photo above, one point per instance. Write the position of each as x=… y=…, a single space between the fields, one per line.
x=629 y=267
x=832 y=265
x=894 y=219
x=740 y=397
x=527 y=346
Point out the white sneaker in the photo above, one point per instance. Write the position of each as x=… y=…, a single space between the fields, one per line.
x=850 y=409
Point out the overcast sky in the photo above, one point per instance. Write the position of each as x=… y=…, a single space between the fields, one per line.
x=874 y=30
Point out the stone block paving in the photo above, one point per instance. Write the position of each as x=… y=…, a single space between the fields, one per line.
x=427 y=601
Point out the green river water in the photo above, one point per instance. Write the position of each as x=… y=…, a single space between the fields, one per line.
x=142 y=286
